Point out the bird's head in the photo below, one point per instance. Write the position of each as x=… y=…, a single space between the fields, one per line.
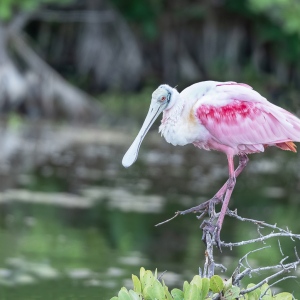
x=163 y=98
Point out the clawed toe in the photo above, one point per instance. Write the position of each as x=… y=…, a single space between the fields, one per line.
x=208 y=227
x=205 y=207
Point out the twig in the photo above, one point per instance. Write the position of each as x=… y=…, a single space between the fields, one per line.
x=245 y=257
x=261 y=283
x=161 y=275
x=296 y=253
x=261 y=223
x=248 y=270
x=269 y=287
x=261 y=239
x=279 y=245
x=176 y=214
x=285 y=268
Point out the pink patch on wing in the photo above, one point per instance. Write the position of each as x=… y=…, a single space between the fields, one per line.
x=232 y=113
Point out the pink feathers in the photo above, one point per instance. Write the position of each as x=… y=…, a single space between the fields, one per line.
x=230 y=113
x=239 y=120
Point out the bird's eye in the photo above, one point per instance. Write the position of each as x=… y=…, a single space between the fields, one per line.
x=163 y=99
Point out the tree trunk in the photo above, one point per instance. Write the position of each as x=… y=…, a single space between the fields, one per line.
x=40 y=90
x=12 y=84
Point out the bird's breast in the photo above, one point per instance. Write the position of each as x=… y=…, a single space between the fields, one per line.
x=182 y=130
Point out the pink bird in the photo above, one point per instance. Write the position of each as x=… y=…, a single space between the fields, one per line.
x=224 y=116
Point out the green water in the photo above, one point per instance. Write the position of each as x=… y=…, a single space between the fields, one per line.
x=77 y=225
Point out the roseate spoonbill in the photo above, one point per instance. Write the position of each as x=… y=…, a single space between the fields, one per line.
x=225 y=116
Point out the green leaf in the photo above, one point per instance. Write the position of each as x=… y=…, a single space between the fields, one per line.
x=142 y=272
x=167 y=293
x=177 y=294
x=232 y=293
x=193 y=293
x=216 y=284
x=135 y=296
x=205 y=287
x=114 y=298
x=147 y=279
x=123 y=294
x=136 y=284
x=254 y=295
x=186 y=286
x=268 y=294
x=197 y=280
x=155 y=290
x=284 y=296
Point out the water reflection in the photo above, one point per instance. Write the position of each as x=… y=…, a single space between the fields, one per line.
x=73 y=218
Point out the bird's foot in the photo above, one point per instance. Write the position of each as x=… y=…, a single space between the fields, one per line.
x=203 y=208
x=207 y=207
x=213 y=230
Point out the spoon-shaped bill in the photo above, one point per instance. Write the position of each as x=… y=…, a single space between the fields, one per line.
x=132 y=153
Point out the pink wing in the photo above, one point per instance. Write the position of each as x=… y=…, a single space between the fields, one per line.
x=237 y=116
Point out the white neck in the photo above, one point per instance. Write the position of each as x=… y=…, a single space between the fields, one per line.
x=171 y=119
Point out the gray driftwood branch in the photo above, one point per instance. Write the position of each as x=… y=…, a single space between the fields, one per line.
x=276 y=231
x=244 y=268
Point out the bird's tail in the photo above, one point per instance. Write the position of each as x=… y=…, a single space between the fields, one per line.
x=289 y=128
x=289 y=146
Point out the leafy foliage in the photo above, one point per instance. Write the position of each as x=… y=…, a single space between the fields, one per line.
x=283 y=12
x=149 y=287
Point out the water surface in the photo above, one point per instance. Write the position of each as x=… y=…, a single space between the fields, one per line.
x=75 y=224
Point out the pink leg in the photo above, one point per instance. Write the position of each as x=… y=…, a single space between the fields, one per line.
x=243 y=160
x=217 y=198
x=230 y=186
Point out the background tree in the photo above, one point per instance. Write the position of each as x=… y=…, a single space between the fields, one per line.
x=31 y=82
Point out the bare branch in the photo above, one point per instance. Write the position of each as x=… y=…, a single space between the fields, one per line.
x=244 y=268
x=259 y=223
x=166 y=221
x=296 y=253
x=279 y=245
x=243 y=292
x=252 y=251
x=284 y=268
x=161 y=275
x=274 y=283
x=281 y=279
x=261 y=239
